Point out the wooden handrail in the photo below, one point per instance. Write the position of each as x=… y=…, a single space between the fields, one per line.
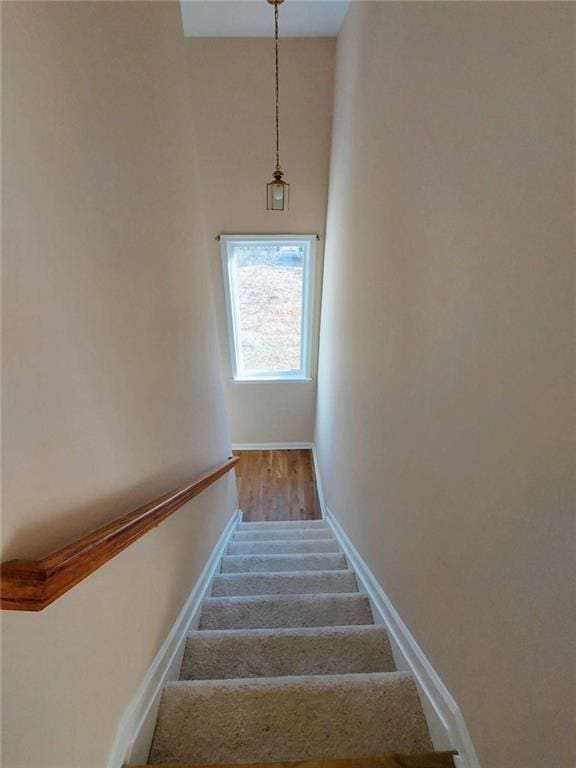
x=31 y=585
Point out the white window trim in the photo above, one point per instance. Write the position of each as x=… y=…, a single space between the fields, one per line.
x=308 y=276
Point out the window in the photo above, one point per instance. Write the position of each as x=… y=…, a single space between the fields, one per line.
x=269 y=290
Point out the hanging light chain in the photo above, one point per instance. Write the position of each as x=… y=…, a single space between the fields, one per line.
x=277 y=88
x=277 y=190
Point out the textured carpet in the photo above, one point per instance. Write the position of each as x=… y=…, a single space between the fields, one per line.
x=287 y=663
x=290 y=534
x=287 y=583
x=321 y=561
x=297 y=547
x=295 y=651
x=288 y=525
x=285 y=611
x=289 y=718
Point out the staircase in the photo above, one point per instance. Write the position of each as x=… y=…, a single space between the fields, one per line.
x=287 y=663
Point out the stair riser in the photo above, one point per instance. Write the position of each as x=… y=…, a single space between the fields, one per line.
x=271 y=563
x=271 y=653
x=301 y=583
x=285 y=611
x=277 y=535
x=282 y=547
x=285 y=719
x=282 y=525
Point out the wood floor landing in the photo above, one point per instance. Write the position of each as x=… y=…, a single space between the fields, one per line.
x=277 y=485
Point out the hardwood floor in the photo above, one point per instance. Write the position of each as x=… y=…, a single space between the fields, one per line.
x=277 y=485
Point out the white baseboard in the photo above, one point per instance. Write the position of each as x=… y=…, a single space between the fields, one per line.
x=271 y=446
x=447 y=726
x=445 y=720
x=135 y=730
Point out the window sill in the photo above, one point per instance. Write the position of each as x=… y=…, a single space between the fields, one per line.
x=273 y=379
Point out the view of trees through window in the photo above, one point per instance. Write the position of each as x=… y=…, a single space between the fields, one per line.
x=269 y=292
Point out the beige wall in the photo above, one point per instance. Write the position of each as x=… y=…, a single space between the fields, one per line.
x=112 y=384
x=445 y=409
x=232 y=87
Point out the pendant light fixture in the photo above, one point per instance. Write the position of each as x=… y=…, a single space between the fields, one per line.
x=277 y=191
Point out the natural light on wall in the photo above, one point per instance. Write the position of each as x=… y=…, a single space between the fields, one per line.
x=269 y=290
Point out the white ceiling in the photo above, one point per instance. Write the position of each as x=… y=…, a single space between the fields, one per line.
x=255 y=18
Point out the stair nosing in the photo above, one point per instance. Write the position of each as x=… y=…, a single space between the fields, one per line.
x=284 y=574
x=337 y=628
x=286 y=680
x=309 y=596
x=288 y=554
x=281 y=541
x=283 y=554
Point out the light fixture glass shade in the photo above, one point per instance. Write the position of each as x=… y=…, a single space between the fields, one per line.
x=277 y=195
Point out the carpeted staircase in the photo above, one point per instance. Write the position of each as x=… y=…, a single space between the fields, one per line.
x=287 y=663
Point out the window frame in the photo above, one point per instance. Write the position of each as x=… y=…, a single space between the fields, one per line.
x=308 y=276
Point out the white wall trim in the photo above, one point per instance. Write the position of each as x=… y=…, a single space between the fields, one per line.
x=441 y=704
x=135 y=729
x=271 y=446
x=319 y=488
x=231 y=294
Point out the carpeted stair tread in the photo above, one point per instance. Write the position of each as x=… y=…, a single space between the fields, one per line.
x=289 y=718
x=287 y=663
x=322 y=561
x=296 y=651
x=301 y=547
x=284 y=583
x=269 y=611
x=283 y=535
x=286 y=525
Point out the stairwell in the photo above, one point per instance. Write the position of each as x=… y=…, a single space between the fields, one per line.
x=287 y=663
